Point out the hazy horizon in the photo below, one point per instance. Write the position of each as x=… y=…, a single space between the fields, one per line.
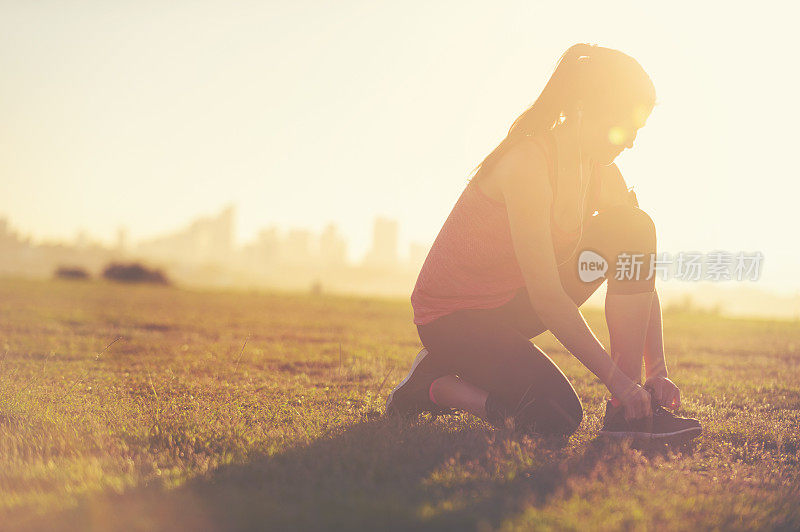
x=147 y=116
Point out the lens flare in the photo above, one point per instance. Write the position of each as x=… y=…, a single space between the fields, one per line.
x=617 y=135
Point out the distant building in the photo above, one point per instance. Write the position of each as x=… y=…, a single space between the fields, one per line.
x=264 y=252
x=332 y=247
x=383 y=252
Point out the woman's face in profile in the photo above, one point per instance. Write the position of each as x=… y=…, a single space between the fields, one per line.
x=608 y=135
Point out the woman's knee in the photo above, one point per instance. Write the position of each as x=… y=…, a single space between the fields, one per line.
x=625 y=237
x=562 y=415
x=549 y=406
x=644 y=226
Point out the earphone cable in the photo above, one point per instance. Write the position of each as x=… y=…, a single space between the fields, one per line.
x=585 y=193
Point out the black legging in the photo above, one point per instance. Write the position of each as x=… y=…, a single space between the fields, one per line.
x=491 y=348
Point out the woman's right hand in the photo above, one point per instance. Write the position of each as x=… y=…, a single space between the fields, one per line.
x=636 y=402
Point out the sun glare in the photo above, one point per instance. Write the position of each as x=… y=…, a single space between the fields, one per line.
x=616 y=135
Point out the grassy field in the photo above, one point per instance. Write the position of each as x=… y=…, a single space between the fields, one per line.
x=141 y=407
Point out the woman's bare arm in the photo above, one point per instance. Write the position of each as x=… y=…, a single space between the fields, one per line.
x=526 y=188
x=614 y=191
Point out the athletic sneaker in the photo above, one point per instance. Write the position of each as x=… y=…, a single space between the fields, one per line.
x=662 y=426
x=411 y=396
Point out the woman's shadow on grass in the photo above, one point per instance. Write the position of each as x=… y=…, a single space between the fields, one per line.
x=377 y=474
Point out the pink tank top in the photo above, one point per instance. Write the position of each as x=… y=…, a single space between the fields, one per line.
x=472 y=263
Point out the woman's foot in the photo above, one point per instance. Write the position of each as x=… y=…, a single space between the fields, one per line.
x=663 y=425
x=412 y=395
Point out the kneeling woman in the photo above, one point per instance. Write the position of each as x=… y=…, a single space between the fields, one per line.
x=505 y=267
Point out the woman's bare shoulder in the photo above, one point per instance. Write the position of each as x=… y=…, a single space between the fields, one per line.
x=522 y=166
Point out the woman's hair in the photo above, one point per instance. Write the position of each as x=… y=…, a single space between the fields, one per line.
x=606 y=81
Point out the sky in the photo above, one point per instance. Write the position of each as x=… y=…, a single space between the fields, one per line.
x=149 y=114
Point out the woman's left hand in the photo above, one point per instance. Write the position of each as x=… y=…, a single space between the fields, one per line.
x=665 y=391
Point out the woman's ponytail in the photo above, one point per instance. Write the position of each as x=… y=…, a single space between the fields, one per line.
x=557 y=96
x=560 y=92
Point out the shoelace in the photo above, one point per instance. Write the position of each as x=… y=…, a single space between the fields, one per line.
x=656 y=407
